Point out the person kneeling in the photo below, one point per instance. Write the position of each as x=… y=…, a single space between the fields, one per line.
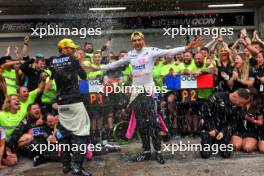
x=220 y=113
x=246 y=135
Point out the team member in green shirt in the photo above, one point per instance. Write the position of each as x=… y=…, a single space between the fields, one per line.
x=97 y=108
x=49 y=95
x=169 y=67
x=201 y=66
x=187 y=65
x=88 y=49
x=13 y=113
x=97 y=58
x=9 y=74
x=157 y=72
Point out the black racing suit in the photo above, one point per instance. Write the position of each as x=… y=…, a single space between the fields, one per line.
x=65 y=70
x=147 y=121
x=219 y=114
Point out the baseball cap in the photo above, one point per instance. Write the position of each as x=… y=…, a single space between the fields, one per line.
x=137 y=33
x=67 y=43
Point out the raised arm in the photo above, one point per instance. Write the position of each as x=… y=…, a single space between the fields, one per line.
x=116 y=64
x=257 y=39
x=244 y=35
x=8 y=51
x=171 y=52
x=11 y=63
x=251 y=49
x=16 y=51
x=210 y=43
x=25 y=47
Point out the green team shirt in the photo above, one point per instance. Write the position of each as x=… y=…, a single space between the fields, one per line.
x=189 y=67
x=204 y=93
x=96 y=74
x=24 y=104
x=9 y=121
x=10 y=79
x=157 y=74
x=216 y=58
x=49 y=95
x=87 y=62
x=166 y=68
x=89 y=54
x=127 y=73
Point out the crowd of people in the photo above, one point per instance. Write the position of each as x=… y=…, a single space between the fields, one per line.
x=35 y=97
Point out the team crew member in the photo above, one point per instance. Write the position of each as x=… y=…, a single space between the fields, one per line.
x=243 y=75
x=169 y=67
x=26 y=98
x=32 y=68
x=9 y=74
x=220 y=113
x=201 y=66
x=142 y=60
x=188 y=63
x=28 y=131
x=246 y=134
x=98 y=105
x=225 y=70
x=259 y=75
x=10 y=117
x=88 y=49
x=9 y=120
x=74 y=122
x=48 y=96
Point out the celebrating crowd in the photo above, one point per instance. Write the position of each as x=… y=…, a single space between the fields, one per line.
x=36 y=93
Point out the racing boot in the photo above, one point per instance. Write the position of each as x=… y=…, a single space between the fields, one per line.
x=146 y=155
x=159 y=157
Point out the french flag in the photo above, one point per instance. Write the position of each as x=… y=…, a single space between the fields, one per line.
x=189 y=81
x=90 y=86
x=94 y=86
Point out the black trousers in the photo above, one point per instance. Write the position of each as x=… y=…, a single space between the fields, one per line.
x=75 y=142
x=147 y=121
x=207 y=140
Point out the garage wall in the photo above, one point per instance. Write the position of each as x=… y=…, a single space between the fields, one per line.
x=47 y=45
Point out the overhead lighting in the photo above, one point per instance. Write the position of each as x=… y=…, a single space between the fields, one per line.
x=224 y=5
x=107 y=8
x=1 y=11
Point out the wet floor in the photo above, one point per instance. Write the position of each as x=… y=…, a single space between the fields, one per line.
x=177 y=164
